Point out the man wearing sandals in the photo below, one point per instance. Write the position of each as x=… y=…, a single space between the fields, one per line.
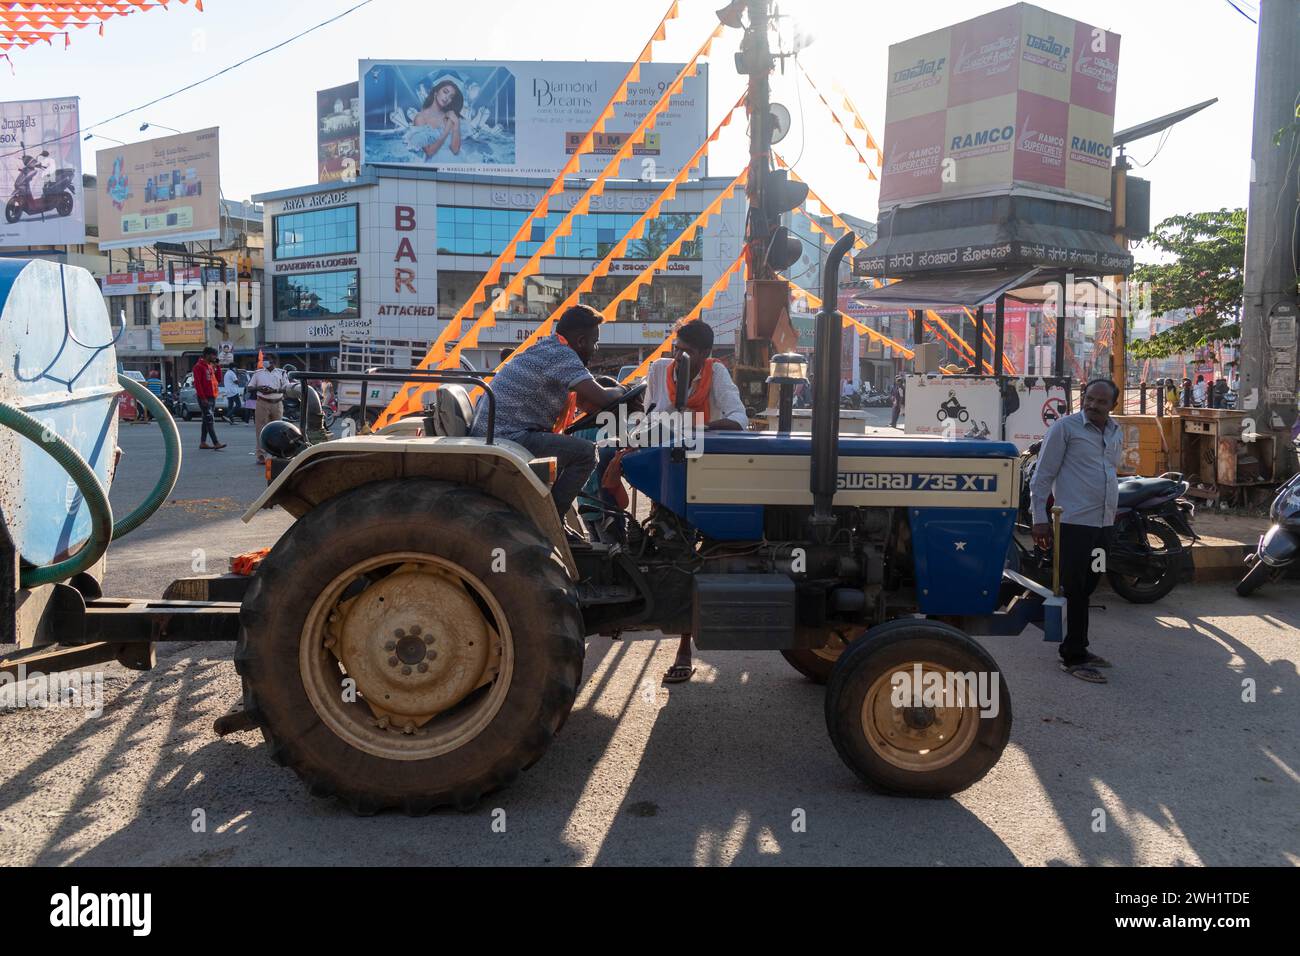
x=1078 y=465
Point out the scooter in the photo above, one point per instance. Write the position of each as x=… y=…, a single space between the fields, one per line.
x=1279 y=546
x=1146 y=557
x=57 y=194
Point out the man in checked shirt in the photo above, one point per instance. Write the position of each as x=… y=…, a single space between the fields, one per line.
x=1077 y=464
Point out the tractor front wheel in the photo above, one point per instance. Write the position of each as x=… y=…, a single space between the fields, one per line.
x=409 y=645
x=917 y=708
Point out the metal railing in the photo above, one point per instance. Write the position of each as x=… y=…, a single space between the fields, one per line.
x=477 y=379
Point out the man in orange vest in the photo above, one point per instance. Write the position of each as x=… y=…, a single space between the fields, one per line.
x=714 y=399
x=713 y=394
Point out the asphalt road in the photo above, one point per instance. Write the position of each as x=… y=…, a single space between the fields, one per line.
x=1169 y=757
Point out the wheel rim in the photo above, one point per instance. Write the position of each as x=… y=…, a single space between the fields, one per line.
x=833 y=643
x=426 y=646
x=923 y=738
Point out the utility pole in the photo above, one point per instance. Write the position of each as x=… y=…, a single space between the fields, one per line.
x=769 y=246
x=1268 y=320
x=758 y=55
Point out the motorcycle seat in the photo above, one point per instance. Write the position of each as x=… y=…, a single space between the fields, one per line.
x=1134 y=491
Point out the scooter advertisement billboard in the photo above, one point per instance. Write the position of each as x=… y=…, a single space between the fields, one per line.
x=165 y=188
x=40 y=166
x=525 y=118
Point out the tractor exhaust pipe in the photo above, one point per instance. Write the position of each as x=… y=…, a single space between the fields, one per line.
x=826 y=391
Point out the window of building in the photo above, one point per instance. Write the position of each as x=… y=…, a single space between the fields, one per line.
x=140 y=311
x=321 y=232
x=318 y=295
x=475 y=231
x=666 y=300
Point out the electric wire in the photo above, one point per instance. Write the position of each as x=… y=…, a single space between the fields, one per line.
x=1242 y=12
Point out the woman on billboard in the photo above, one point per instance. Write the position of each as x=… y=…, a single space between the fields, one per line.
x=438 y=119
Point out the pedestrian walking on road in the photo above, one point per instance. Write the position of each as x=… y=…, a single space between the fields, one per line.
x=234 y=395
x=269 y=384
x=206 y=390
x=1078 y=465
x=898 y=396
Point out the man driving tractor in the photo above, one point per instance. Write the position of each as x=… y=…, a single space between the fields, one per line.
x=537 y=395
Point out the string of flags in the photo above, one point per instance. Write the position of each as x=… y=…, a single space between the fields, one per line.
x=23 y=24
x=408 y=396
x=871 y=143
x=548 y=246
x=706 y=302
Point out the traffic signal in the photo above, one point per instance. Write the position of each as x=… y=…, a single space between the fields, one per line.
x=780 y=195
x=784 y=249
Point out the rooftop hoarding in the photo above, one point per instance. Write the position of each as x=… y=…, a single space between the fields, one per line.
x=161 y=189
x=524 y=118
x=1020 y=99
x=338 y=133
x=40 y=167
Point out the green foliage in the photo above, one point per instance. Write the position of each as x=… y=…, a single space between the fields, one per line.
x=1205 y=276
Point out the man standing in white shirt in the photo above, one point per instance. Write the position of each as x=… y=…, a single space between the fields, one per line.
x=269 y=383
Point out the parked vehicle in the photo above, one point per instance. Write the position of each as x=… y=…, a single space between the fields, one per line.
x=1279 y=546
x=56 y=194
x=369 y=356
x=1146 y=557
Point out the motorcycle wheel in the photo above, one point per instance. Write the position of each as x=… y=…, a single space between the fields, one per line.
x=13 y=211
x=1137 y=591
x=941 y=415
x=963 y=416
x=64 y=206
x=1258 y=575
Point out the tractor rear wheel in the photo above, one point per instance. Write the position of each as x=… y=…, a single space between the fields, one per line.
x=917 y=708
x=409 y=645
x=816 y=662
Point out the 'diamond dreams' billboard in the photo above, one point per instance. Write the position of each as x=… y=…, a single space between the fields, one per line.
x=523 y=118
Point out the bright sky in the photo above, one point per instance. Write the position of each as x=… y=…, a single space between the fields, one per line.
x=1174 y=53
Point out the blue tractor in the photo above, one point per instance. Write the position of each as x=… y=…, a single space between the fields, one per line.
x=416 y=638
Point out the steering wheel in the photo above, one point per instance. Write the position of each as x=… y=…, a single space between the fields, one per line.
x=589 y=420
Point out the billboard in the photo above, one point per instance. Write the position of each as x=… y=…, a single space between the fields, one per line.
x=1020 y=98
x=338 y=133
x=524 y=118
x=40 y=166
x=161 y=189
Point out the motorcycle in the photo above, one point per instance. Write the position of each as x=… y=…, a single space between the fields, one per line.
x=1279 y=546
x=1145 y=557
x=56 y=194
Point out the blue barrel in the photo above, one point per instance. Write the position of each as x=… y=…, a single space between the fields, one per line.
x=58 y=364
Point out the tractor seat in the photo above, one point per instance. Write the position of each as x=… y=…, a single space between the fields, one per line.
x=452 y=411
x=1134 y=491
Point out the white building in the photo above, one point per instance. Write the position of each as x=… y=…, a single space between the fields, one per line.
x=393 y=254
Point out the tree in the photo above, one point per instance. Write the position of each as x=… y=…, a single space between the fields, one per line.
x=1205 y=277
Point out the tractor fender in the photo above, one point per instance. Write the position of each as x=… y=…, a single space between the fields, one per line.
x=501 y=470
